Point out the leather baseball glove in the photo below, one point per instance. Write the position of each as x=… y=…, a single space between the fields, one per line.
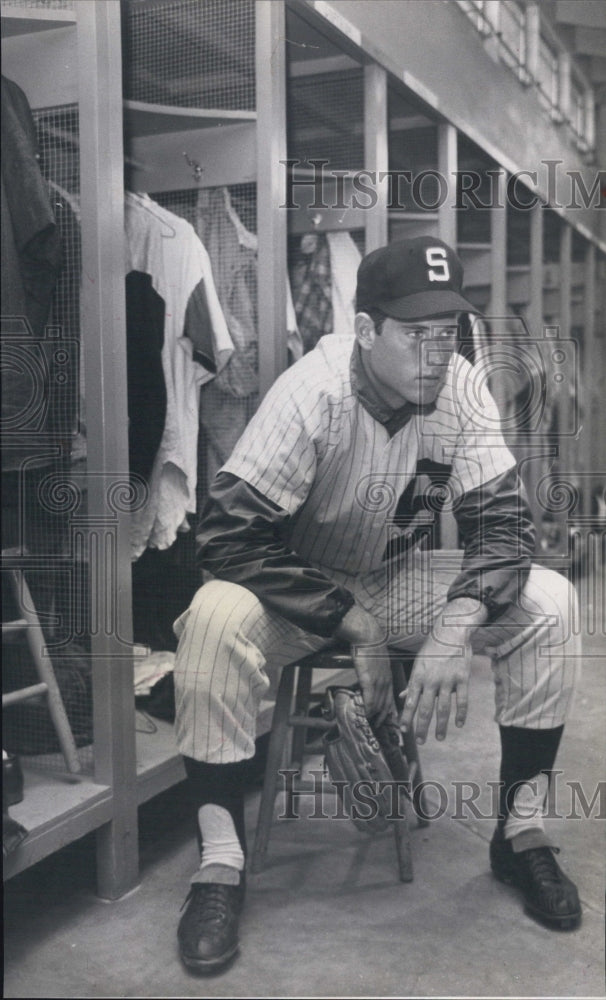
x=359 y=758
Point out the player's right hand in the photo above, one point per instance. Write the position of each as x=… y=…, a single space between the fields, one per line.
x=371 y=661
x=373 y=668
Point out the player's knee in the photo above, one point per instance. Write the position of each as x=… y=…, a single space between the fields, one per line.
x=218 y=607
x=563 y=594
x=557 y=595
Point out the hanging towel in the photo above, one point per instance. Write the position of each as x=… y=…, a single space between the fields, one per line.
x=344 y=262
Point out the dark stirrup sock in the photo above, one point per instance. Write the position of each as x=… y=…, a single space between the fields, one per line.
x=525 y=753
x=221 y=784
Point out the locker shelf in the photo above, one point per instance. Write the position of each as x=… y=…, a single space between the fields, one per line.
x=56 y=809
x=27 y=20
x=144 y=119
x=159 y=764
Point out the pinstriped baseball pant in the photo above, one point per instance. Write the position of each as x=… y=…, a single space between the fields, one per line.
x=230 y=645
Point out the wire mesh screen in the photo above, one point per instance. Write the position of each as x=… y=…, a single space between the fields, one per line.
x=518 y=230
x=408 y=227
x=182 y=203
x=59 y=146
x=187 y=53
x=474 y=221
x=413 y=158
x=42 y=4
x=326 y=119
x=40 y=496
x=190 y=54
x=185 y=203
x=325 y=122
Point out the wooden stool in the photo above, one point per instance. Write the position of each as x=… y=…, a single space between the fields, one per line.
x=29 y=624
x=300 y=721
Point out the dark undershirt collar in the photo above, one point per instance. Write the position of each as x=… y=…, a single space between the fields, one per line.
x=392 y=420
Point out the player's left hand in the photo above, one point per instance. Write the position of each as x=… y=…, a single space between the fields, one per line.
x=439 y=672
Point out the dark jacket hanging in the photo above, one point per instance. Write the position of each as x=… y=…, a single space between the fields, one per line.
x=31 y=260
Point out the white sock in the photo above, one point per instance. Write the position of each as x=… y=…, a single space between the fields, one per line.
x=220 y=843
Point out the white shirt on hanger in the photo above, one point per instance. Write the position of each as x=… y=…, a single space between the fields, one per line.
x=344 y=262
x=167 y=248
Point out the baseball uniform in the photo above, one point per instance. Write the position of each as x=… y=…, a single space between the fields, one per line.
x=329 y=503
x=343 y=494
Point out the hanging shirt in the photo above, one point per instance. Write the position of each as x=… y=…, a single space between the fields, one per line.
x=145 y=319
x=232 y=249
x=233 y=255
x=228 y=402
x=344 y=262
x=311 y=289
x=294 y=339
x=166 y=247
x=31 y=246
x=31 y=261
x=66 y=411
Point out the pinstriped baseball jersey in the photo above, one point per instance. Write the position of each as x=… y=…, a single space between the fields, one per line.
x=316 y=451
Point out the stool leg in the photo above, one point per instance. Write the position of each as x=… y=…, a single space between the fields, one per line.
x=403 y=848
x=275 y=753
x=299 y=735
x=401 y=670
x=36 y=642
x=412 y=756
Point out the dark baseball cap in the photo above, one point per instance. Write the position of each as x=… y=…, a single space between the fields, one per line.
x=412 y=279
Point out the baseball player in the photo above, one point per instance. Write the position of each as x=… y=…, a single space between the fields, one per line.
x=318 y=527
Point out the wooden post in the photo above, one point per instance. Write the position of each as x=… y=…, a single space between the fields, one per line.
x=498 y=256
x=533 y=32
x=592 y=415
x=498 y=271
x=535 y=311
x=447 y=167
x=566 y=447
x=535 y=465
x=564 y=63
x=376 y=157
x=104 y=532
x=271 y=188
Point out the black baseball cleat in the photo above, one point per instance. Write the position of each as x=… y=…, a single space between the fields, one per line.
x=208 y=930
x=549 y=895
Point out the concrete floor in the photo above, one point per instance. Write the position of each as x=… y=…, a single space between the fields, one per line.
x=328 y=917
